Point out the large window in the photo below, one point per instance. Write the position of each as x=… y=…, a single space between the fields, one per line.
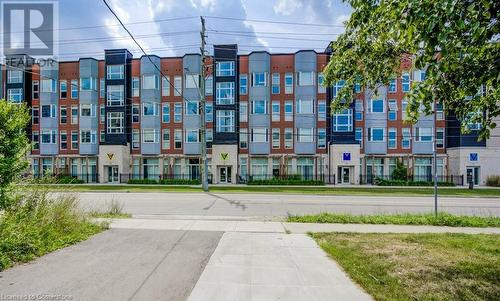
x=305 y=134
x=74 y=89
x=165 y=139
x=87 y=84
x=392 y=86
x=165 y=86
x=321 y=138
x=115 y=122
x=225 y=93
x=288 y=110
x=391 y=141
x=305 y=106
x=177 y=138
x=321 y=83
x=321 y=110
x=209 y=112
x=150 y=136
x=358 y=107
x=337 y=86
x=101 y=88
x=74 y=114
x=35 y=140
x=115 y=95
x=224 y=68
x=275 y=83
x=49 y=85
x=48 y=136
x=259 y=107
x=275 y=110
x=192 y=81
x=275 y=138
x=405 y=81
x=305 y=78
x=87 y=136
x=423 y=169
x=87 y=110
x=177 y=112
x=405 y=141
x=243 y=84
x=165 y=113
x=358 y=135
x=49 y=111
x=135 y=86
x=393 y=109
x=377 y=105
x=63 y=89
x=114 y=71
x=404 y=105
x=136 y=138
x=14 y=76
x=150 y=109
x=439 y=111
x=74 y=140
x=150 y=81
x=305 y=168
x=376 y=134
x=177 y=85
x=136 y=111
x=288 y=138
x=259 y=79
x=192 y=136
x=225 y=121
x=342 y=121
x=209 y=85
x=192 y=107
x=423 y=134
x=15 y=95
x=243 y=138
x=35 y=115
x=243 y=111
x=35 y=89
x=288 y=83
x=440 y=137
x=259 y=168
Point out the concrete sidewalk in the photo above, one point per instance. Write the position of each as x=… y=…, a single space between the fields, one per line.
x=283 y=227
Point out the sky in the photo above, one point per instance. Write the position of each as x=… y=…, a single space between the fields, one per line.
x=171 y=27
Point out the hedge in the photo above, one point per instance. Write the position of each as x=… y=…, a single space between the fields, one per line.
x=382 y=182
x=165 y=181
x=291 y=181
x=493 y=181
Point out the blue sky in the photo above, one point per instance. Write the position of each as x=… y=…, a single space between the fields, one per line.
x=168 y=38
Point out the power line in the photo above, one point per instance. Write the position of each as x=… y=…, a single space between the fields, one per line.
x=275 y=22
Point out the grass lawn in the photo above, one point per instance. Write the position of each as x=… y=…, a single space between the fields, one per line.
x=442 y=219
x=419 y=266
x=403 y=191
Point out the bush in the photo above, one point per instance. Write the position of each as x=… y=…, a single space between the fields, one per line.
x=165 y=181
x=38 y=223
x=382 y=182
x=493 y=181
x=291 y=180
x=142 y=181
x=68 y=180
x=400 y=172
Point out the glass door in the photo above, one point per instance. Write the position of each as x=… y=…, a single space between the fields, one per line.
x=223 y=174
x=346 y=175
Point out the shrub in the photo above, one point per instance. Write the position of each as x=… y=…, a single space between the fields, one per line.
x=400 y=172
x=142 y=181
x=291 y=180
x=68 y=180
x=179 y=182
x=493 y=180
x=382 y=182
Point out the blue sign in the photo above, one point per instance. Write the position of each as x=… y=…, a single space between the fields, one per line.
x=346 y=157
x=473 y=157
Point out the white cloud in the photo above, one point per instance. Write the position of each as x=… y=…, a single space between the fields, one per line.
x=287 y=7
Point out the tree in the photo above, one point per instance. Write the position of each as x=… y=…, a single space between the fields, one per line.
x=400 y=172
x=14 y=145
x=456 y=41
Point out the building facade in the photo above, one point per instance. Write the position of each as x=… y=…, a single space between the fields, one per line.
x=267 y=115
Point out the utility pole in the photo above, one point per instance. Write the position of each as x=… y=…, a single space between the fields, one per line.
x=203 y=133
x=434 y=148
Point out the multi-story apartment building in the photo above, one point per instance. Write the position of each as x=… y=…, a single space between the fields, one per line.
x=267 y=115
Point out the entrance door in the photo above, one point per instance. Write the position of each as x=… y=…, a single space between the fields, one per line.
x=113 y=174
x=346 y=175
x=225 y=174
x=473 y=175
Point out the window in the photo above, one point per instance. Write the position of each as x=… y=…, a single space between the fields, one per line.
x=49 y=85
x=275 y=83
x=114 y=71
x=393 y=109
x=321 y=82
x=177 y=138
x=135 y=86
x=15 y=95
x=305 y=134
x=377 y=106
x=74 y=139
x=342 y=121
x=288 y=110
x=63 y=89
x=288 y=138
x=259 y=168
x=376 y=134
x=14 y=76
x=392 y=86
x=439 y=111
x=74 y=114
x=275 y=138
x=405 y=81
x=101 y=88
x=358 y=107
x=177 y=112
x=423 y=169
x=225 y=93
x=305 y=79
x=305 y=167
x=48 y=136
x=102 y=114
x=243 y=111
x=35 y=89
x=259 y=107
x=88 y=83
x=35 y=115
x=275 y=109
x=192 y=81
x=391 y=141
x=192 y=136
x=150 y=81
x=115 y=122
x=63 y=113
x=421 y=75
x=35 y=139
x=321 y=138
x=150 y=109
x=243 y=168
x=243 y=138
x=135 y=113
x=192 y=107
x=404 y=105
x=358 y=135
x=305 y=106
x=49 y=111
x=209 y=85
x=321 y=110
x=440 y=137
x=150 y=136
x=115 y=95
x=225 y=121
x=405 y=141
x=74 y=89
x=337 y=86
x=165 y=112
x=209 y=112
x=209 y=135
x=177 y=85
x=423 y=134
x=135 y=138
x=225 y=68
x=165 y=86
x=260 y=134
x=357 y=88
x=259 y=79
x=165 y=139
x=288 y=83
x=87 y=110
x=243 y=84
x=87 y=136
x=102 y=136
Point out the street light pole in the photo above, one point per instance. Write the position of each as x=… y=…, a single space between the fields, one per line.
x=203 y=134
x=434 y=150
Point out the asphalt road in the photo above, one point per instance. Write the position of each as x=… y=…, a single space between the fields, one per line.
x=278 y=205
x=116 y=265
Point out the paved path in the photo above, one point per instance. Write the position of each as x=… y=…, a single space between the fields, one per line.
x=274 y=204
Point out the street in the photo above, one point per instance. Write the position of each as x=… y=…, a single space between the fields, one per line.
x=262 y=206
